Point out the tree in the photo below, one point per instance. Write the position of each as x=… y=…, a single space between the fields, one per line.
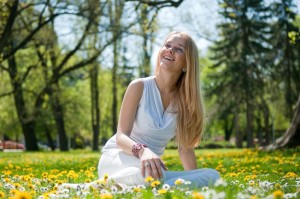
x=240 y=58
x=291 y=137
x=148 y=27
x=286 y=69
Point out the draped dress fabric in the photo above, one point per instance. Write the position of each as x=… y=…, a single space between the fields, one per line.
x=154 y=127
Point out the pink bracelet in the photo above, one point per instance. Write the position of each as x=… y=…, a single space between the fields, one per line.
x=136 y=148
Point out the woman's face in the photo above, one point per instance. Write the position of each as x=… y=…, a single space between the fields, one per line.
x=172 y=54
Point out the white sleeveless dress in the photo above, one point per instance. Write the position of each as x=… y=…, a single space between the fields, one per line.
x=153 y=126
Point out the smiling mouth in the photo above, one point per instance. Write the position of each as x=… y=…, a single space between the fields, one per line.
x=168 y=58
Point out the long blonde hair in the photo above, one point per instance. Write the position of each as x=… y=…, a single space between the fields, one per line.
x=188 y=99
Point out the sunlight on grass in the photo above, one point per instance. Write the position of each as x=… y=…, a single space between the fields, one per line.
x=245 y=174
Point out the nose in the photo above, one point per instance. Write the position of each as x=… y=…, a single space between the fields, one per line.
x=170 y=49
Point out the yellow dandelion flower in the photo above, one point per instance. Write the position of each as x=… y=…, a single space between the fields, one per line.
x=251 y=182
x=179 y=181
x=6 y=180
x=92 y=169
x=149 y=179
x=290 y=175
x=106 y=196
x=44 y=175
x=155 y=183
x=197 y=195
x=2 y=194
x=10 y=165
x=87 y=181
x=7 y=172
x=32 y=193
x=22 y=195
x=277 y=186
x=162 y=191
x=136 y=189
x=278 y=194
x=31 y=186
x=253 y=197
x=13 y=191
x=100 y=181
x=59 y=182
x=105 y=177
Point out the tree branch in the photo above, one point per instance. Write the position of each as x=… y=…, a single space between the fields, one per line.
x=166 y=3
x=29 y=37
x=72 y=52
x=6 y=94
x=9 y=25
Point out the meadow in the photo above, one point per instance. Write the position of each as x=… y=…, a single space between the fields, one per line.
x=245 y=173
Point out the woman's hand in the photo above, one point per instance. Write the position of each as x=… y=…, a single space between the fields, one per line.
x=151 y=164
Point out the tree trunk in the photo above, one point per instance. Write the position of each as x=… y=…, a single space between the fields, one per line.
x=291 y=138
x=27 y=123
x=228 y=127
x=114 y=89
x=57 y=110
x=238 y=135
x=49 y=138
x=95 y=110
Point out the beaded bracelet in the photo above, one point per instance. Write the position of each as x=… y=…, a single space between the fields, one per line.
x=136 y=148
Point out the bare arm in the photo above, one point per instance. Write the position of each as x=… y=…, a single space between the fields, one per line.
x=127 y=115
x=188 y=158
x=126 y=119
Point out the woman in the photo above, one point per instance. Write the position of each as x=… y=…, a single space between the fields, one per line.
x=155 y=110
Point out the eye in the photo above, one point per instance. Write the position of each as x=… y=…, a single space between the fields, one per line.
x=178 y=50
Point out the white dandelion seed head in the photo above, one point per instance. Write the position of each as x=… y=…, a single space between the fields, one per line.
x=242 y=186
x=114 y=189
x=188 y=193
x=8 y=186
x=141 y=186
x=187 y=182
x=220 y=182
x=44 y=189
x=220 y=195
x=242 y=196
x=252 y=190
x=210 y=193
x=64 y=196
x=166 y=186
x=52 y=195
x=104 y=191
x=154 y=190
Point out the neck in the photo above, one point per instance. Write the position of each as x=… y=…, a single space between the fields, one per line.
x=166 y=84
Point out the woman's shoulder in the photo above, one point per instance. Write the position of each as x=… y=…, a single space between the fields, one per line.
x=139 y=82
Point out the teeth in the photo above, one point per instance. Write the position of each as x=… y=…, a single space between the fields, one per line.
x=169 y=58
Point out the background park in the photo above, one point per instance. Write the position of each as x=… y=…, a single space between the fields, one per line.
x=65 y=65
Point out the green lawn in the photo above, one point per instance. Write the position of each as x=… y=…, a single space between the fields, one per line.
x=245 y=174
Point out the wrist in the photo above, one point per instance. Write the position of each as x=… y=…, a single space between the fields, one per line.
x=138 y=149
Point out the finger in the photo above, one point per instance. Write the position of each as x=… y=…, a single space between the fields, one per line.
x=158 y=168
x=164 y=166
x=154 y=170
x=147 y=169
x=143 y=169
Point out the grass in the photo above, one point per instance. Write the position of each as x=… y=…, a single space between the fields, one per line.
x=245 y=174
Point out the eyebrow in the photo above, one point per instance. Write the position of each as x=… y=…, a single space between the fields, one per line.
x=176 y=44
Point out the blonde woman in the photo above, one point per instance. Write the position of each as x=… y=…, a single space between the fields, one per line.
x=155 y=110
